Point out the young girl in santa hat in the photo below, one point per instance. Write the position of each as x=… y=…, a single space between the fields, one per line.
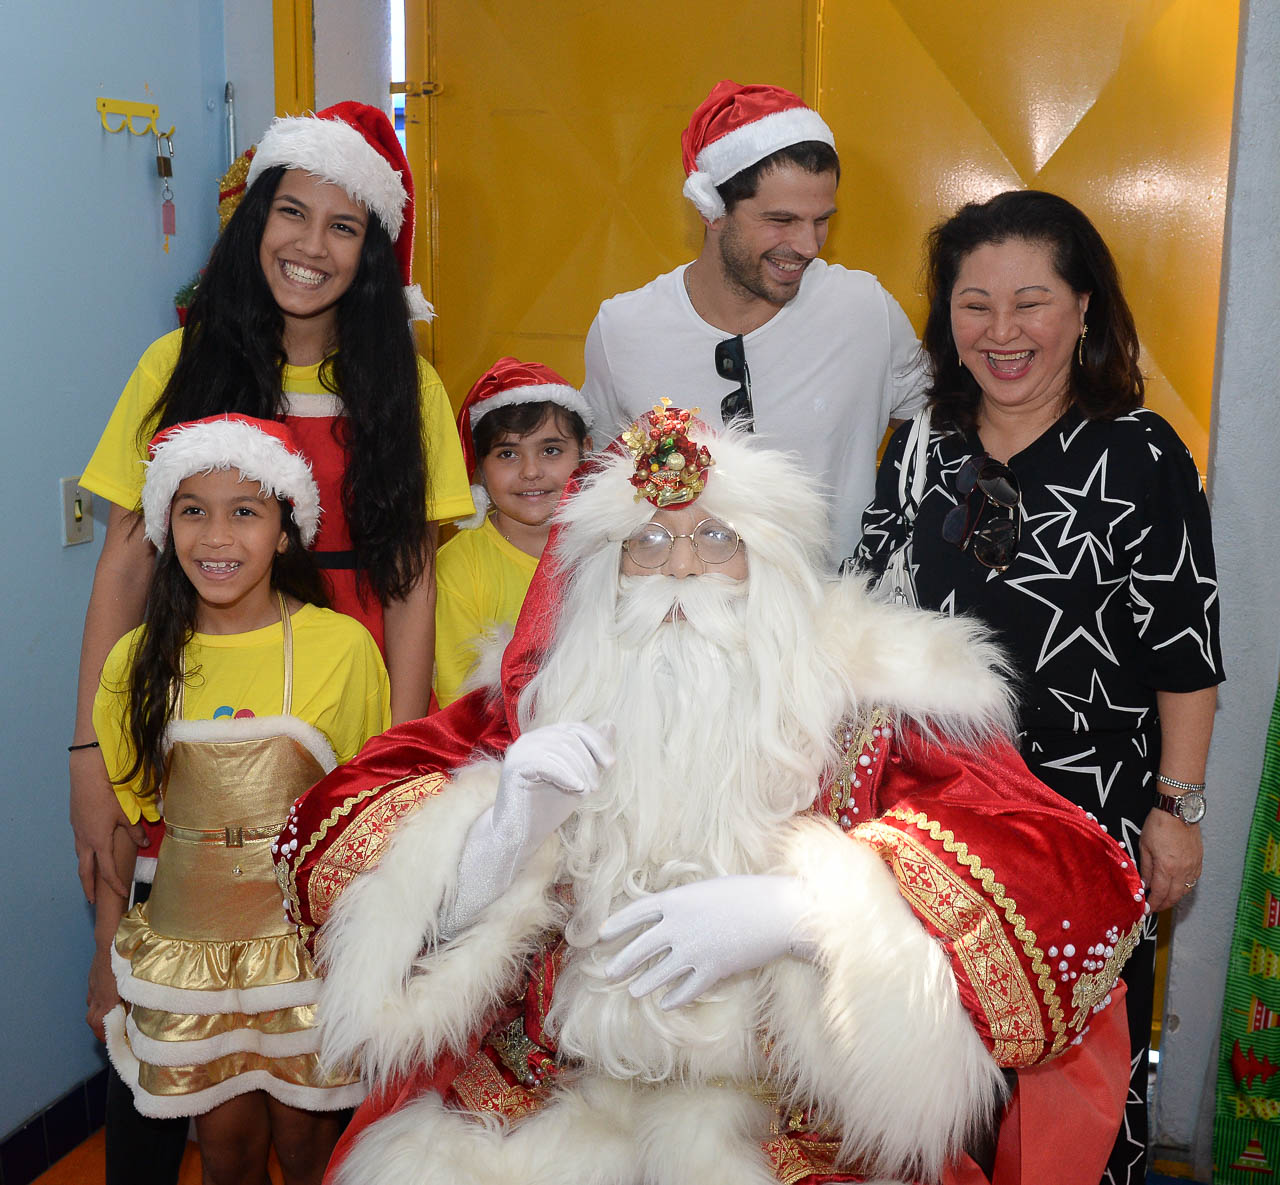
x=235 y=694
x=523 y=431
x=302 y=315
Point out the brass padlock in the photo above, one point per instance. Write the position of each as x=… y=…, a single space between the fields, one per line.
x=164 y=164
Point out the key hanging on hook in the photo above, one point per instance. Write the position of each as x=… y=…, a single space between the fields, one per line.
x=164 y=167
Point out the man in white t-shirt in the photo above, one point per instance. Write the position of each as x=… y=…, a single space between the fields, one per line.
x=820 y=359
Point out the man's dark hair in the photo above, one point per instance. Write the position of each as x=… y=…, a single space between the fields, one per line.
x=813 y=156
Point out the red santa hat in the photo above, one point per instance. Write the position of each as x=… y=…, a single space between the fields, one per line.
x=355 y=146
x=507 y=382
x=262 y=450
x=735 y=127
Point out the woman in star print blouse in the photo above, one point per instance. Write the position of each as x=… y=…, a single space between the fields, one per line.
x=1074 y=522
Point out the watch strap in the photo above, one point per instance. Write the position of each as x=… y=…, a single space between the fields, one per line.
x=1172 y=804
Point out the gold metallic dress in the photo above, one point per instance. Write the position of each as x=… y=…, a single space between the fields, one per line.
x=219 y=994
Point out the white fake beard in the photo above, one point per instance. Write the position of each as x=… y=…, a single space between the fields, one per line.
x=695 y=793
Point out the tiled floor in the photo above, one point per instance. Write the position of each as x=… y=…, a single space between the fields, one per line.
x=83 y=1166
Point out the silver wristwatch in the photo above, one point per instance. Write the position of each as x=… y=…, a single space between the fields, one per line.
x=1188 y=807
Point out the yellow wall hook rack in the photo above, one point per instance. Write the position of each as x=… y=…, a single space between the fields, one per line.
x=128 y=112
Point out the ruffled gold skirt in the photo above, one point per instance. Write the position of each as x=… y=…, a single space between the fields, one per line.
x=204 y=1021
x=219 y=994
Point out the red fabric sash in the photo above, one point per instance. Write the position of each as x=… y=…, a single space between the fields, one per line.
x=1064 y=1115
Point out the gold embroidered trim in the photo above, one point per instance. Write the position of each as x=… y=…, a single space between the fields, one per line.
x=415 y=789
x=480 y=1088
x=1091 y=988
x=854 y=737
x=1016 y=1022
x=514 y=1050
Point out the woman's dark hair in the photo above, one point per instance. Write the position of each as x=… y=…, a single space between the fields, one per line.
x=232 y=360
x=170 y=621
x=812 y=156
x=1109 y=382
x=519 y=419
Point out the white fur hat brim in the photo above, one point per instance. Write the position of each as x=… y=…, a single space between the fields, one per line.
x=334 y=151
x=228 y=443
x=570 y=398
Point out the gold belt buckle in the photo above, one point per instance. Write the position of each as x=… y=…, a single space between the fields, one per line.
x=234 y=837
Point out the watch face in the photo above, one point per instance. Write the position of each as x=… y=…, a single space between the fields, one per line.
x=1192 y=806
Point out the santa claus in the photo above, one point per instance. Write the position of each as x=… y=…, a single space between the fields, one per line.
x=761 y=891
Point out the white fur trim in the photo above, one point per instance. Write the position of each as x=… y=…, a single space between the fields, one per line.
x=207 y=1049
x=255 y=728
x=741 y=148
x=392 y=998
x=875 y=1036
x=944 y=673
x=594 y=1130
x=308 y=1098
x=701 y=191
x=228 y=444
x=144 y=871
x=565 y=396
x=420 y=308
x=473 y=522
x=587 y=1133
x=304 y=405
x=333 y=150
x=486 y=670
x=266 y=998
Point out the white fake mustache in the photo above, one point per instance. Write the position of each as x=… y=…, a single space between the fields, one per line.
x=713 y=606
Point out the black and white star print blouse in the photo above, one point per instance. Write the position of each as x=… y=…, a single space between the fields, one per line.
x=1112 y=594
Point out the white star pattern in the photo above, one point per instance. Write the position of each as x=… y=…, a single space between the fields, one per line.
x=1076 y=704
x=1053 y=645
x=1114 y=510
x=1202 y=631
x=1069 y=765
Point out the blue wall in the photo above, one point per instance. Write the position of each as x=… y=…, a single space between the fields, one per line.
x=84 y=287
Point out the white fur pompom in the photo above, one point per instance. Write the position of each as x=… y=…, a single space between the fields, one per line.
x=473 y=522
x=699 y=190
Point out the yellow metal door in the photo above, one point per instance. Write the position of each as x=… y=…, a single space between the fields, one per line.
x=549 y=170
x=1121 y=106
x=554 y=155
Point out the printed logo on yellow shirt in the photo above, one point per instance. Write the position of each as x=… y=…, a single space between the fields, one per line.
x=229 y=713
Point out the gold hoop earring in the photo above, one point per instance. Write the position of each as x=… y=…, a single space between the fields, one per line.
x=1084 y=329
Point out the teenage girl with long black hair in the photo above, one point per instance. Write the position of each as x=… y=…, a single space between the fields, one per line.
x=302 y=315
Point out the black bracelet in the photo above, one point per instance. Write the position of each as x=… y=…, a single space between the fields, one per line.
x=86 y=745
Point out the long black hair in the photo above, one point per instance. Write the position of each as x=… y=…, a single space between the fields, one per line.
x=232 y=359
x=169 y=623
x=1108 y=382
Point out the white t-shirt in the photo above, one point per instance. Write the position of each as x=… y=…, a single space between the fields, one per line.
x=828 y=372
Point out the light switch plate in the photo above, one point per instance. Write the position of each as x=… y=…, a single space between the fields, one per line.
x=77 y=512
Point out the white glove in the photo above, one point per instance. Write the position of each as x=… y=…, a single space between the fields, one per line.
x=545 y=775
x=710 y=930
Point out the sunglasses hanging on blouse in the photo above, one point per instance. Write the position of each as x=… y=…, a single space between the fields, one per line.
x=988 y=522
x=731 y=364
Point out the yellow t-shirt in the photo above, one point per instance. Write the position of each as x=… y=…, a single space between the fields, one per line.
x=115 y=470
x=340 y=687
x=481 y=581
